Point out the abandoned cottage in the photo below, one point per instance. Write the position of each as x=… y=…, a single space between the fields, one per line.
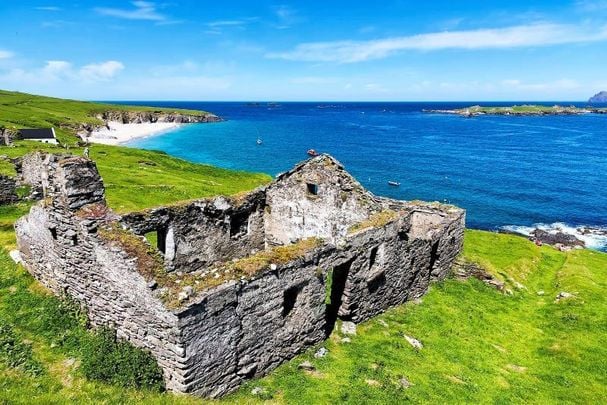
x=233 y=286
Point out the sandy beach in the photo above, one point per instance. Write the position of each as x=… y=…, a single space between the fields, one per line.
x=120 y=133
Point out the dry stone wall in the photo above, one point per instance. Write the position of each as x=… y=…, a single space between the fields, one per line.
x=244 y=327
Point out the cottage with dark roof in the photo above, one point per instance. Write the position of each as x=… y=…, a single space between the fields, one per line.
x=46 y=135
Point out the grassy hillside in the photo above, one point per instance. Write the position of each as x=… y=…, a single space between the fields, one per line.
x=480 y=345
x=21 y=110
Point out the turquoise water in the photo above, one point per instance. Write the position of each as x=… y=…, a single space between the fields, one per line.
x=505 y=171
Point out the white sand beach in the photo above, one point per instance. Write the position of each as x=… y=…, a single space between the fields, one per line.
x=120 y=133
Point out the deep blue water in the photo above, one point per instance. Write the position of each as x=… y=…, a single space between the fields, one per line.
x=502 y=170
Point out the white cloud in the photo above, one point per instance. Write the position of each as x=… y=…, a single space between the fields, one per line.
x=56 y=68
x=313 y=80
x=541 y=34
x=101 y=71
x=556 y=85
x=48 y=8
x=63 y=71
x=144 y=10
x=227 y=23
x=286 y=16
x=5 y=54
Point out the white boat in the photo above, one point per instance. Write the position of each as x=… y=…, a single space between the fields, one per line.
x=394 y=183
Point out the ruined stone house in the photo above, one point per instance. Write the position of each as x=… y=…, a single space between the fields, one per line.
x=235 y=286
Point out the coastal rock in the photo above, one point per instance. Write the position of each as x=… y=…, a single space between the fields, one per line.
x=556 y=238
x=599 y=98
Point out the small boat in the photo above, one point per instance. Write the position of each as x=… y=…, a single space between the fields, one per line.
x=394 y=183
x=312 y=152
x=259 y=141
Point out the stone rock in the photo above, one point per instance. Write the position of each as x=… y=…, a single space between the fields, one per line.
x=258 y=391
x=152 y=284
x=15 y=255
x=540 y=292
x=348 y=328
x=383 y=323
x=463 y=269
x=69 y=362
x=563 y=295
x=306 y=365
x=417 y=345
x=373 y=383
x=516 y=368
x=404 y=383
x=346 y=340
x=186 y=293
x=320 y=353
x=556 y=238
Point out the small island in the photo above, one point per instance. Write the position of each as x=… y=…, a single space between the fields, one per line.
x=599 y=98
x=520 y=110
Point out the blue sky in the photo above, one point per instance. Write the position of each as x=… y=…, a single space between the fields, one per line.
x=305 y=50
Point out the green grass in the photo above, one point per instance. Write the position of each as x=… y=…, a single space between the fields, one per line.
x=21 y=110
x=479 y=345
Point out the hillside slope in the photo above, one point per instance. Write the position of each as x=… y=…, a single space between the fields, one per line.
x=22 y=110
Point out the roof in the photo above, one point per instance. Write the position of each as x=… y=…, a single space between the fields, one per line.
x=37 y=133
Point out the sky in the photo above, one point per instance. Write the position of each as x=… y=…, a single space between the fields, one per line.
x=389 y=50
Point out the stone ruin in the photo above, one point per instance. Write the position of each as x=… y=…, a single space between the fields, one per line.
x=231 y=287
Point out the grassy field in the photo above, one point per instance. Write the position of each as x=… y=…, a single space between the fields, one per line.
x=480 y=345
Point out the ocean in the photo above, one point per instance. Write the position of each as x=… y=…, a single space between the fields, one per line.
x=510 y=173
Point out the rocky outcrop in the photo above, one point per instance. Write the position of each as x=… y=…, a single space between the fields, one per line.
x=138 y=117
x=557 y=238
x=235 y=286
x=598 y=98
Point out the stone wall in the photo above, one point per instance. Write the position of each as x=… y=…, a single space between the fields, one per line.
x=60 y=244
x=196 y=235
x=321 y=201
x=8 y=190
x=219 y=336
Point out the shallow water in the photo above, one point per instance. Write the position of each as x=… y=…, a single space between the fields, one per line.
x=505 y=171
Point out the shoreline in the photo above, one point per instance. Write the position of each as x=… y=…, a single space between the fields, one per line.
x=117 y=133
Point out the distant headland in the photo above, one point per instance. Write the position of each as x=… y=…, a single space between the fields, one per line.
x=600 y=97
x=521 y=110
